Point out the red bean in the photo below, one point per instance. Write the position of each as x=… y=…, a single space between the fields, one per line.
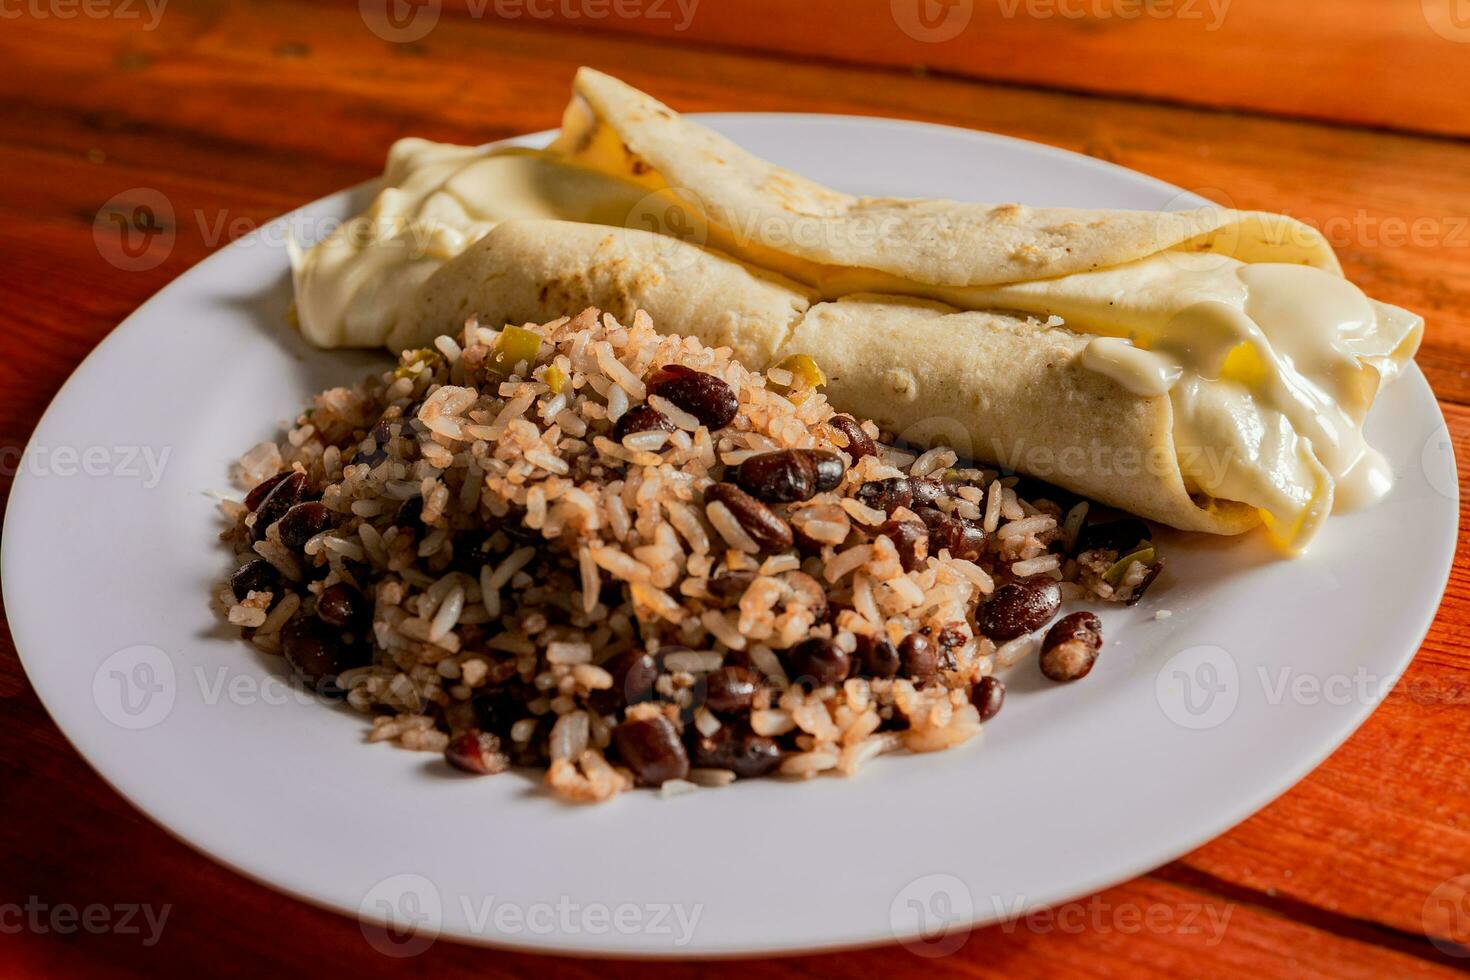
x=341 y=606
x=633 y=673
x=961 y=538
x=263 y=489
x=304 y=522
x=730 y=584
x=769 y=532
x=651 y=748
x=1071 y=647
x=911 y=539
x=879 y=657
x=706 y=397
x=858 y=442
x=315 y=652
x=988 y=695
x=900 y=491
x=918 y=656
x=730 y=689
x=644 y=418
x=1019 y=608
x=476 y=752
x=282 y=497
x=257 y=575
x=736 y=748
x=819 y=662
x=829 y=467
x=786 y=476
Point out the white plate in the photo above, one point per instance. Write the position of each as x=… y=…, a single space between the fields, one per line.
x=1187 y=725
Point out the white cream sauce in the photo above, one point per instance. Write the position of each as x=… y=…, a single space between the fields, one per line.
x=1271 y=369
x=438 y=200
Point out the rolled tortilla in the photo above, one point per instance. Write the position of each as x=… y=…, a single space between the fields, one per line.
x=995 y=387
x=842 y=244
x=534 y=271
x=1012 y=391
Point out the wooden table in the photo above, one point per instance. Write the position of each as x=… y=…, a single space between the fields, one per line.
x=1350 y=114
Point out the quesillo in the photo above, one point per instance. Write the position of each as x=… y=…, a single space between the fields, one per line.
x=1209 y=369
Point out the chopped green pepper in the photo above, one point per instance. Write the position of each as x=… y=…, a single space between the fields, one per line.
x=514 y=345
x=1119 y=568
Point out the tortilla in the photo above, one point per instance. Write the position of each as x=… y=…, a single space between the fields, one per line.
x=1012 y=391
x=535 y=271
x=994 y=387
x=842 y=244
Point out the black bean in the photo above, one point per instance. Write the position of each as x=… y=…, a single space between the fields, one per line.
x=644 y=418
x=730 y=584
x=651 y=748
x=1121 y=536
x=1071 y=647
x=477 y=752
x=912 y=541
x=769 y=532
x=315 y=652
x=304 y=522
x=738 y=749
x=341 y=606
x=962 y=538
x=858 y=442
x=730 y=689
x=830 y=469
x=1019 y=608
x=988 y=696
x=787 y=476
x=818 y=662
x=257 y=575
x=263 y=489
x=879 y=657
x=919 y=659
x=282 y=497
x=704 y=396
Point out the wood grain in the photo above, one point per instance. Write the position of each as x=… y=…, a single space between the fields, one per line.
x=235 y=113
x=1400 y=64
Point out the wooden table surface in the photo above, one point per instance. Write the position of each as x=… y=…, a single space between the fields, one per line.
x=1350 y=114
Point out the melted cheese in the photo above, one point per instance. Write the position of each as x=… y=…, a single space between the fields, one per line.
x=354 y=286
x=1271 y=369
